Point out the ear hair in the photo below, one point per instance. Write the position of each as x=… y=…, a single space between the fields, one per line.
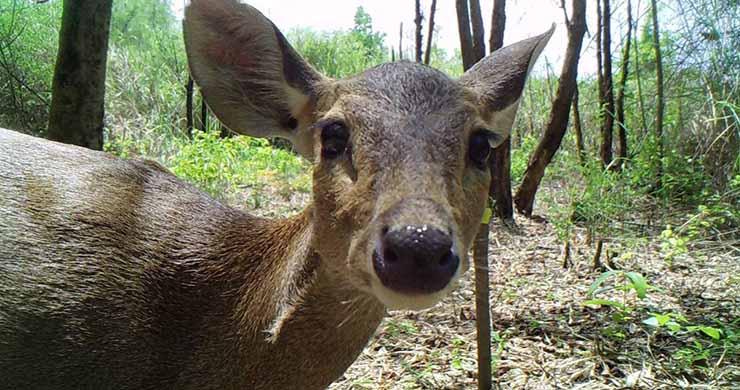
x=499 y=79
x=251 y=77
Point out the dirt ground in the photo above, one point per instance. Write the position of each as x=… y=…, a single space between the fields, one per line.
x=544 y=337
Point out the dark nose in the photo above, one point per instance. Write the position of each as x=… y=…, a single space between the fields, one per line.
x=415 y=259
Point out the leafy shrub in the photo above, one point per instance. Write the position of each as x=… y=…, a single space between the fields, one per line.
x=222 y=166
x=29 y=34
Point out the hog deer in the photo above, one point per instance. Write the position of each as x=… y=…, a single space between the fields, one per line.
x=114 y=274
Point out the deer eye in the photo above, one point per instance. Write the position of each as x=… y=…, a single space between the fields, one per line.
x=479 y=148
x=334 y=139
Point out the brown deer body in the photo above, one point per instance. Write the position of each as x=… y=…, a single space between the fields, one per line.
x=115 y=274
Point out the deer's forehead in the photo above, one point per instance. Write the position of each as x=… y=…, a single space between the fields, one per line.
x=404 y=102
x=400 y=87
x=408 y=87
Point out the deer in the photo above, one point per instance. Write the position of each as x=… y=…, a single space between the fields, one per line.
x=115 y=274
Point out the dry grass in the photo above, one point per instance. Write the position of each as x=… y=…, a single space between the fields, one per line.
x=544 y=337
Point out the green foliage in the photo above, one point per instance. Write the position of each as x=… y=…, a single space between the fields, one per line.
x=146 y=78
x=224 y=165
x=520 y=157
x=336 y=54
x=701 y=343
x=449 y=63
x=372 y=41
x=620 y=281
x=603 y=198
x=29 y=34
x=342 y=53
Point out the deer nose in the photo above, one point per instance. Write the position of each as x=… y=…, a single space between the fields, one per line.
x=415 y=259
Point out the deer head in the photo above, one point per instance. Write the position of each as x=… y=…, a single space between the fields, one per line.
x=399 y=152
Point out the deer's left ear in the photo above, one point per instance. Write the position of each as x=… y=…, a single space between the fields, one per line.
x=499 y=78
x=251 y=77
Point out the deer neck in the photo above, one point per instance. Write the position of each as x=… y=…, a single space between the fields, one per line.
x=299 y=287
x=300 y=312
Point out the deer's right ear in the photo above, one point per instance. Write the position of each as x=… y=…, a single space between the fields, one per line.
x=499 y=80
x=252 y=79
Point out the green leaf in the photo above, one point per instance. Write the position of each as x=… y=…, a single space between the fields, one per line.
x=638 y=283
x=714 y=333
x=652 y=321
x=673 y=326
x=599 y=281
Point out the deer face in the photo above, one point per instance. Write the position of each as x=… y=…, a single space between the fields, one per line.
x=400 y=151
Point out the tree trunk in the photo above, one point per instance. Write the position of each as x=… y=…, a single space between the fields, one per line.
x=622 y=129
x=607 y=124
x=578 y=128
x=597 y=256
x=203 y=113
x=558 y=121
x=638 y=79
x=430 y=34
x=600 y=67
x=466 y=40
x=189 y=106
x=476 y=20
x=471 y=54
x=498 y=24
x=400 y=42
x=419 y=41
x=500 y=161
x=482 y=306
x=78 y=90
x=659 y=93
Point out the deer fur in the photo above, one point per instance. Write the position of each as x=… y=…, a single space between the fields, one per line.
x=115 y=274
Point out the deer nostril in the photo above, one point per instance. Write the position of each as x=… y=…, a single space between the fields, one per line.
x=390 y=256
x=448 y=258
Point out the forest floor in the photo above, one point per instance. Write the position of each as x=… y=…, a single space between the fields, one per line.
x=545 y=337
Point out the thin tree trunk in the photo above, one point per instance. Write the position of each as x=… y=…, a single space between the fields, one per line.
x=659 y=93
x=607 y=125
x=400 y=42
x=566 y=254
x=393 y=55
x=600 y=68
x=640 y=96
x=498 y=24
x=500 y=161
x=203 y=113
x=471 y=54
x=419 y=40
x=466 y=39
x=482 y=306
x=78 y=90
x=430 y=33
x=578 y=128
x=476 y=20
x=189 y=106
x=558 y=121
x=622 y=129
x=597 y=256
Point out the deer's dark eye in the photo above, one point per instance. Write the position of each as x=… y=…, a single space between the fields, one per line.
x=334 y=139
x=479 y=148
